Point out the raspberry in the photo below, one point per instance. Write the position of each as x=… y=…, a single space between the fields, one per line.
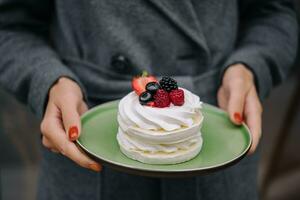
x=161 y=99
x=177 y=97
x=151 y=104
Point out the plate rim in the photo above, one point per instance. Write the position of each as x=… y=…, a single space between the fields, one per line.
x=165 y=173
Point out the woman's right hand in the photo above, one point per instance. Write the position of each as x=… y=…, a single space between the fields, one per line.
x=61 y=124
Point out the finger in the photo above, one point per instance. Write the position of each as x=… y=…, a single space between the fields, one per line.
x=54 y=150
x=236 y=103
x=253 y=114
x=71 y=119
x=58 y=137
x=82 y=108
x=47 y=143
x=52 y=129
x=222 y=99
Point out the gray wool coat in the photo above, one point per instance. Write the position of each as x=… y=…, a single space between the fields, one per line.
x=101 y=44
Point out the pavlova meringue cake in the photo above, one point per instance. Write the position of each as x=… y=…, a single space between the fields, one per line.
x=159 y=123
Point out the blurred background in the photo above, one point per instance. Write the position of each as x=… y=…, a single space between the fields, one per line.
x=279 y=170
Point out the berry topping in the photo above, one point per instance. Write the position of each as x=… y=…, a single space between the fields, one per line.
x=168 y=84
x=177 y=97
x=139 y=83
x=161 y=99
x=152 y=87
x=151 y=104
x=145 y=98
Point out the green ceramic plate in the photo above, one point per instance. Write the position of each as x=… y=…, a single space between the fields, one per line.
x=223 y=144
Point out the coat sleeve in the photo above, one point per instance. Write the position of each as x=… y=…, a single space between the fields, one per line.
x=267 y=42
x=28 y=64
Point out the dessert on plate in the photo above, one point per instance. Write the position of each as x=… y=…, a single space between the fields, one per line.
x=159 y=122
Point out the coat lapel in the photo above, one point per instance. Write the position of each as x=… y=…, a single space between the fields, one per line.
x=182 y=14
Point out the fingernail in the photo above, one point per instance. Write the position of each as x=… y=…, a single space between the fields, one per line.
x=238 y=118
x=95 y=167
x=73 y=133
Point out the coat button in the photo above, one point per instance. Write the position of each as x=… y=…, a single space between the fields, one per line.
x=120 y=63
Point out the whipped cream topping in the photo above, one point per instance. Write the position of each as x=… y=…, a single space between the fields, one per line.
x=133 y=114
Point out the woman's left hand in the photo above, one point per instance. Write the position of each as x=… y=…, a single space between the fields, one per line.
x=238 y=96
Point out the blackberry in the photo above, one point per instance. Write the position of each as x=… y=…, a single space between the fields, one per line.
x=168 y=84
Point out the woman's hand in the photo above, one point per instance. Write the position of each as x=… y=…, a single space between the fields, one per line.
x=238 y=96
x=61 y=123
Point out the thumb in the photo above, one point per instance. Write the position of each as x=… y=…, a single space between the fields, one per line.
x=71 y=119
x=236 y=104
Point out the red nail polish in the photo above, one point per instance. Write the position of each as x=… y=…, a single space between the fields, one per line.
x=95 y=167
x=73 y=133
x=238 y=118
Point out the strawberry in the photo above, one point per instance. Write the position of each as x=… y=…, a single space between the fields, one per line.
x=177 y=97
x=161 y=99
x=139 y=83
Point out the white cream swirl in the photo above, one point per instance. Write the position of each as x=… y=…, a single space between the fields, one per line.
x=133 y=114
